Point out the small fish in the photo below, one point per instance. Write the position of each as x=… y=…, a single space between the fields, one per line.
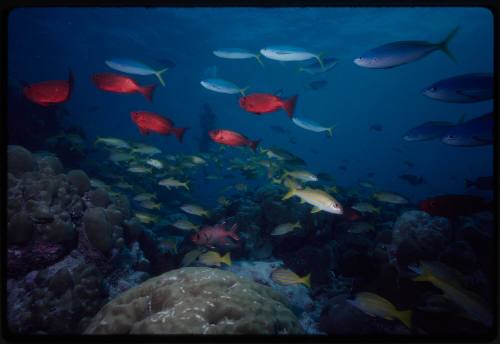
x=317 y=84
x=319 y=199
x=290 y=53
x=46 y=93
x=185 y=225
x=237 y=54
x=467 y=88
x=360 y=228
x=191 y=256
x=286 y=228
x=452 y=206
x=304 y=176
x=366 y=184
x=131 y=66
x=259 y=103
x=222 y=86
x=96 y=183
x=194 y=209
x=232 y=138
x=123 y=185
x=112 y=142
x=171 y=182
x=376 y=306
x=149 y=204
x=212 y=258
x=312 y=125
x=121 y=84
x=144 y=197
x=215 y=236
x=399 y=53
x=390 y=197
x=428 y=131
x=375 y=127
x=412 y=179
x=441 y=277
x=139 y=169
x=146 y=150
x=481 y=183
x=120 y=157
x=315 y=68
x=475 y=132
x=155 y=163
x=148 y=122
x=146 y=218
x=288 y=277
x=364 y=207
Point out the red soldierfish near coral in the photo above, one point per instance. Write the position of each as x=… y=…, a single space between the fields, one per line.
x=260 y=103
x=51 y=92
x=121 y=84
x=216 y=235
x=151 y=122
x=232 y=138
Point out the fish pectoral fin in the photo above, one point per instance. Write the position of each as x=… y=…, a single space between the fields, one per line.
x=315 y=210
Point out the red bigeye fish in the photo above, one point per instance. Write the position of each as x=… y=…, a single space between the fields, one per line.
x=260 y=103
x=454 y=205
x=215 y=236
x=51 y=92
x=121 y=84
x=232 y=138
x=151 y=122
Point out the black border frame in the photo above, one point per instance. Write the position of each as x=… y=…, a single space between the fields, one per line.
x=8 y=5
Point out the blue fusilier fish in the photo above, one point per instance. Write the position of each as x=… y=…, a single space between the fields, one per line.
x=237 y=54
x=315 y=68
x=312 y=125
x=222 y=86
x=475 y=132
x=290 y=53
x=135 y=67
x=402 y=52
x=428 y=131
x=467 y=88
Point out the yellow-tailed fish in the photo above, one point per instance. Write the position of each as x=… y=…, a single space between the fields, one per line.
x=390 y=197
x=139 y=169
x=365 y=207
x=124 y=185
x=194 y=209
x=305 y=176
x=212 y=258
x=171 y=182
x=146 y=218
x=144 y=197
x=319 y=199
x=288 y=277
x=149 y=204
x=155 y=163
x=445 y=279
x=286 y=228
x=191 y=256
x=112 y=142
x=376 y=306
x=185 y=225
x=146 y=150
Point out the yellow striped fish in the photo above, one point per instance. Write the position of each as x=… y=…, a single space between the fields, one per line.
x=288 y=277
x=319 y=199
x=212 y=258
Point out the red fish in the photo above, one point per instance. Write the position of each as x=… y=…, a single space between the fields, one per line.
x=232 y=138
x=51 y=92
x=151 y=122
x=215 y=236
x=454 y=205
x=121 y=84
x=260 y=103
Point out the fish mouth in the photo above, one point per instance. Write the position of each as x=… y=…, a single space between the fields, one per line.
x=358 y=61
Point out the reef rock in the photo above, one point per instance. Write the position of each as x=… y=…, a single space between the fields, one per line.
x=80 y=180
x=196 y=301
x=19 y=160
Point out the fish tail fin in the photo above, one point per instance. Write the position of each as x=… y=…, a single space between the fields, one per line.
x=261 y=150
x=289 y=105
x=232 y=232
x=405 y=317
x=306 y=280
x=147 y=91
x=290 y=193
x=443 y=45
x=185 y=184
x=157 y=206
x=319 y=57
x=276 y=180
x=330 y=130
x=243 y=90
x=226 y=259
x=297 y=224
x=468 y=183
x=259 y=60
x=179 y=133
x=158 y=75
x=253 y=144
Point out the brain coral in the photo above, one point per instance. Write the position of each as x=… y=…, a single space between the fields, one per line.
x=196 y=300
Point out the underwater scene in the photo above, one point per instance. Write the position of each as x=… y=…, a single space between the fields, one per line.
x=274 y=171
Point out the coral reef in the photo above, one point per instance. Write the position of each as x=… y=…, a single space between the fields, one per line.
x=196 y=301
